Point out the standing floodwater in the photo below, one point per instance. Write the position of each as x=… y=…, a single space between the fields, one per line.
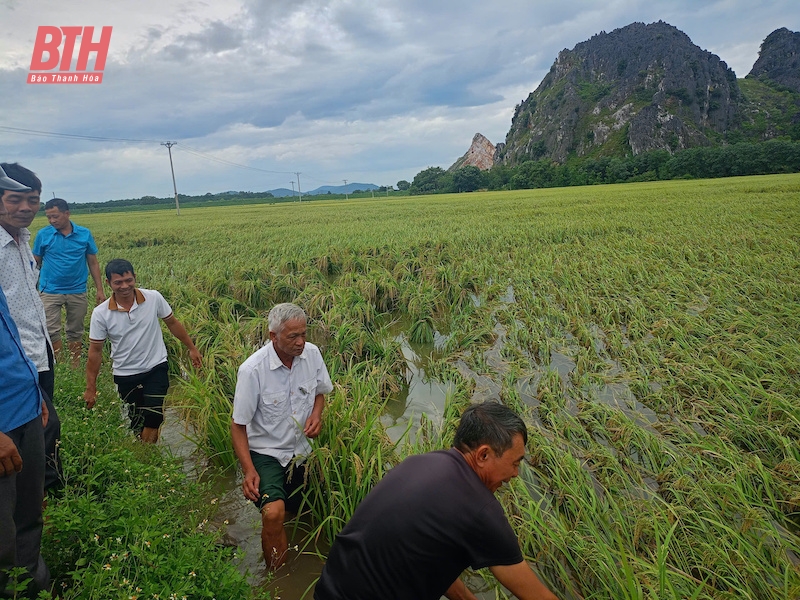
x=240 y=521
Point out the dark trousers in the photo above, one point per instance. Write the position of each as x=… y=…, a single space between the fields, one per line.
x=21 y=496
x=144 y=393
x=54 y=472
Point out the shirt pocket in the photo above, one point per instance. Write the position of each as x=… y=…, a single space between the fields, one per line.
x=306 y=392
x=275 y=406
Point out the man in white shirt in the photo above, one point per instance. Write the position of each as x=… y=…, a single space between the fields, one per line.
x=130 y=320
x=277 y=406
x=18 y=277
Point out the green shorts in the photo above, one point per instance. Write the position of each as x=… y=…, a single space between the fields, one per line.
x=278 y=482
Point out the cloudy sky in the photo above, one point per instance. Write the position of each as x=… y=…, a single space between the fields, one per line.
x=369 y=91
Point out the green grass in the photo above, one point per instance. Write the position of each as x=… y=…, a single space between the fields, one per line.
x=129 y=522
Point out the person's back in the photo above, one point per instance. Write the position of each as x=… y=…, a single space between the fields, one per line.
x=430 y=518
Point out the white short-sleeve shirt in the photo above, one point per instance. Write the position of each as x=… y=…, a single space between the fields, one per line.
x=137 y=344
x=274 y=402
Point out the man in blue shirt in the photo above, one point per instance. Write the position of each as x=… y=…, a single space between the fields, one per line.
x=66 y=253
x=22 y=460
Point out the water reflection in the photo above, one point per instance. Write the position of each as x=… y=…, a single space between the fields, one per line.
x=420 y=394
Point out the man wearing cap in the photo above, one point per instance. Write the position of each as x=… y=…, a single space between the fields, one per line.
x=66 y=253
x=22 y=460
x=18 y=278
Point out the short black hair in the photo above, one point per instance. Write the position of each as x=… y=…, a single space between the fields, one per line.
x=118 y=266
x=58 y=203
x=22 y=175
x=489 y=423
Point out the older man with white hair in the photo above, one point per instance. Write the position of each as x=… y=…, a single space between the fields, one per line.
x=277 y=407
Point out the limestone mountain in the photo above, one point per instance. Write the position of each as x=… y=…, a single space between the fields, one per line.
x=779 y=59
x=480 y=154
x=638 y=88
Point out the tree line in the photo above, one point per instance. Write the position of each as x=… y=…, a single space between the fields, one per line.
x=770 y=157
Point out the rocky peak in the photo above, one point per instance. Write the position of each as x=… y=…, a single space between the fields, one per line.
x=779 y=59
x=638 y=88
x=480 y=154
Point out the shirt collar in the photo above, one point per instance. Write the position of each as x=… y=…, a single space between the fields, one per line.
x=6 y=238
x=112 y=302
x=69 y=234
x=274 y=359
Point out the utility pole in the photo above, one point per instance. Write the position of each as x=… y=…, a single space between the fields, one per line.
x=169 y=146
x=345 y=189
x=299 y=193
x=292 y=182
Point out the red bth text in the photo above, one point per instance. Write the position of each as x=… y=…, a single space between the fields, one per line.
x=54 y=47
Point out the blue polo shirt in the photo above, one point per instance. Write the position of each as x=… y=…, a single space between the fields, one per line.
x=64 y=269
x=20 y=399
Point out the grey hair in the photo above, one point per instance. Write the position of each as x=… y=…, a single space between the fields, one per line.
x=283 y=312
x=489 y=423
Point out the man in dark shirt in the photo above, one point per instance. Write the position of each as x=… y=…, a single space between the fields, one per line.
x=434 y=515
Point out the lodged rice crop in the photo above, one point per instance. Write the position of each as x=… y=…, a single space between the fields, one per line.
x=649 y=334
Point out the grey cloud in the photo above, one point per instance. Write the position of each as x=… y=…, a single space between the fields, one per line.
x=217 y=37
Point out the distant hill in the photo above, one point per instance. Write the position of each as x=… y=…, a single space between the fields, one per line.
x=325 y=189
x=648 y=87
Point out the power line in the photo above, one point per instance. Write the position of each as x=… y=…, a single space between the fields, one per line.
x=91 y=138
x=184 y=148
x=94 y=138
x=223 y=161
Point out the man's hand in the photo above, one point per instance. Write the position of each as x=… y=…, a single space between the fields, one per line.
x=197 y=359
x=90 y=397
x=45 y=413
x=250 y=485
x=313 y=426
x=10 y=460
x=100 y=296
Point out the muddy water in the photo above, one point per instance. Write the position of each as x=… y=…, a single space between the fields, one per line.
x=240 y=522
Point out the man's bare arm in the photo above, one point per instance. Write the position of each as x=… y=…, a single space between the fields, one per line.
x=92 y=370
x=179 y=331
x=94 y=269
x=522 y=581
x=459 y=591
x=241 y=448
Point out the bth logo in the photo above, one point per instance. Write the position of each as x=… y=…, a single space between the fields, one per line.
x=47 y=56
